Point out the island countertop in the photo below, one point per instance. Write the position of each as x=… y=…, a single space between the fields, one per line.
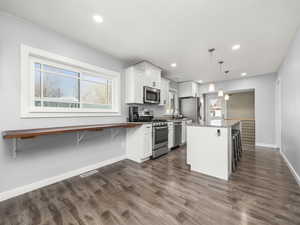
x=215 y=123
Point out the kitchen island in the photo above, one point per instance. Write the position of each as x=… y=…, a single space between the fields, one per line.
x=209 y=147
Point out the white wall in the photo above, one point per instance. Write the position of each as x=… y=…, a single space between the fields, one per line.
x=264 y=86
x=289 y=77
x=48 y=156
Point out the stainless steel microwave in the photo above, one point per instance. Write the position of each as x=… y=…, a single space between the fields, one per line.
x=151 y=95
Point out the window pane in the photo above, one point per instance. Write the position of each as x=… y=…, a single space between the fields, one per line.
x=94 y=106
x=93 y=79
x=93 y=93
x=37 y=103
x=37 y=80
x=60 y=104
x=109 y=92
x=59 y=70
x=63 y=88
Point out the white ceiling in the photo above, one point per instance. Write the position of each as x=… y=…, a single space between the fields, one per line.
x=181 y=31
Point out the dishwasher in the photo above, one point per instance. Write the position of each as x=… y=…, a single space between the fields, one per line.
x=177 y=133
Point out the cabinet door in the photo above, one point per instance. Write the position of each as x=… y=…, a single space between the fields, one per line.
x=183 y=138
x=188 y=89
x=139 y=88
x=134 y=85
x=194 y=89
x=156 y=76
x=164 y=92
x=147 y=142
x=153 y=77
x=171 y=137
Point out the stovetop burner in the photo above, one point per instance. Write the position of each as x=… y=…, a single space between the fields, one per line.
x=159 y=120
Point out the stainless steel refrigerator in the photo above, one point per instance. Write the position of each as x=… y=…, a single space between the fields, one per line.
x=190 y=108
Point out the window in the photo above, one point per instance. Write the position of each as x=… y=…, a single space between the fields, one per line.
x=53 y=85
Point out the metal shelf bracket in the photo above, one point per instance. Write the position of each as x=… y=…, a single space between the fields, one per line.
x=15 y=147
x=80 y=136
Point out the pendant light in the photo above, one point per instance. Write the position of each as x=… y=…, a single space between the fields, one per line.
x=221 y=93
x=226 y=97
x=221 y=66
x=211 y=87
x=211 y=52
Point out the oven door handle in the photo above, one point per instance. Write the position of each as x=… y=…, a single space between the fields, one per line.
x=159 y=128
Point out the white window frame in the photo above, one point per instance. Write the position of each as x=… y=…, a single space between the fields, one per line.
x=30 y=55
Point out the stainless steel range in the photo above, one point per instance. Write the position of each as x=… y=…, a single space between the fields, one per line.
x=160 y=138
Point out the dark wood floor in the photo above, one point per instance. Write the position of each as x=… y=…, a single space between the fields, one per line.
x=165 y=192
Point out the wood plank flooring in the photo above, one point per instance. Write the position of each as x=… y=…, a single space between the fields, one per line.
x=165 y=192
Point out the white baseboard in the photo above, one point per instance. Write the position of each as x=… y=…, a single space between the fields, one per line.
x=265 y=145
x=31 y=187
x=293 y=171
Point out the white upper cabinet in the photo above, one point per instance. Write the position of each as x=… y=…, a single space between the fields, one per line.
x=153 y=77
x=188 y=89
x=134 y=83
x=138 y=76
x=164 y=91
x=152 y=74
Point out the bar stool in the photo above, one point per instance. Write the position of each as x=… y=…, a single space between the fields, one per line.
x=239 y=140
x=234 y=152
x=236 y=148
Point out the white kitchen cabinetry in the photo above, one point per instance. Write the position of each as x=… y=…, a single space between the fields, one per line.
x=153 y=76
x=134 y=83
x=171 y=135
x=147 y=151
x=138 y=76
x=188 y=89
x=164 y=91
x=139 y=143
x=184 y=129
x=183 y=133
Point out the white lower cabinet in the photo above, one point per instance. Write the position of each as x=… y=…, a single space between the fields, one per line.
x=139 y=143
x=184 y=130
x=171 y=135
x=183 y=133
x=147 y=141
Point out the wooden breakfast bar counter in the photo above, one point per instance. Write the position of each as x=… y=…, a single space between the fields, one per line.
x=31 y=133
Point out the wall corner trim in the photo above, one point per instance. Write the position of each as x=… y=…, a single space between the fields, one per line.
x=291 y=168
x=31 y=187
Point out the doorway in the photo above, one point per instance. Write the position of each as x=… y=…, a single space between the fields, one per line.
x=241 y=106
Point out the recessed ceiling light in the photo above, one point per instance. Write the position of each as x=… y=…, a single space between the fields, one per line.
x=200 y=81
x=236 y=47
x=173 y=64
x=98 y=18
x=243 y=74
